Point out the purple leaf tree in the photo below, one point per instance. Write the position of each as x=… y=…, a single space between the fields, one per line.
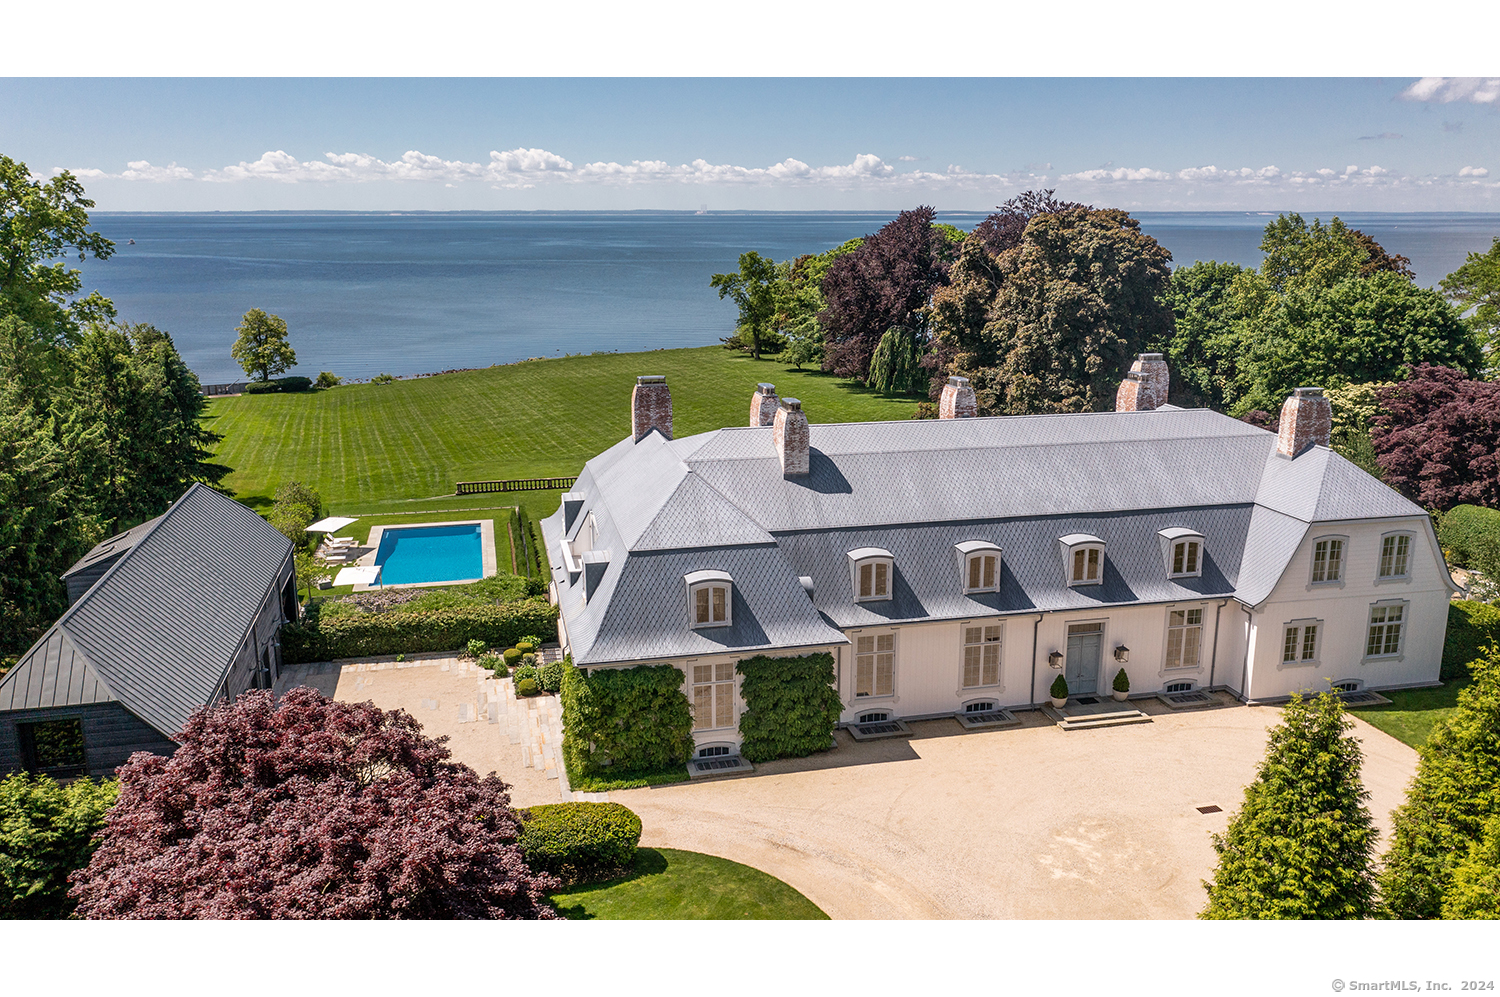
x=1436 y=437
x=308 y=808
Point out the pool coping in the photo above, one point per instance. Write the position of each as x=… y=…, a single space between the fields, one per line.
x=489 y=564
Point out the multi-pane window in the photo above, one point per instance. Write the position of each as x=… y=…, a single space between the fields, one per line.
x=713 y=695
x=1385 y=630
x=1394 y=551
x=981 y=655
x=1299 y=643
x=874 y=580
x=875 y=665
x=1184 y=637
x=710 y=605
x=1086 y=561
x=983 y=569
x=1185 y=557
x=1328 y=560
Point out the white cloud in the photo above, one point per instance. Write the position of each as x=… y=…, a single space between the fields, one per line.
x=528 y=161
x=1119 y=173
x=1473 y=171
x=1447 y=89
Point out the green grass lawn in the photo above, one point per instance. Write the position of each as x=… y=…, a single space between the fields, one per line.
x=1413 y=713
x=670 y=885
x=387 y=448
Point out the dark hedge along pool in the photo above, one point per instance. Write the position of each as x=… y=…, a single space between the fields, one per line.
x=411 y=554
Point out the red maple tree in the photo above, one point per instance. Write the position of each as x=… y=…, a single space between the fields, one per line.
x=308 y=808
x=1437 y=438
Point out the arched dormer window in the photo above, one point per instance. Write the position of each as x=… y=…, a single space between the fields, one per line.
x=1083 y=558
x=979 y=565
x=710 y=599
x=872 y=573
x=1182 y=549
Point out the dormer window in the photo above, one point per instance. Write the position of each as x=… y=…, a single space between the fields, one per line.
x=709 y=599
x=873 y=573
x=979 y=562
x=1083 y=558
x=1183 y=550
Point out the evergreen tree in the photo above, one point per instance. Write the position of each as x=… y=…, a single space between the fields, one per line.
x=1475 y=892
x=1455 y=795
x=1300 y=847
x=47 y=831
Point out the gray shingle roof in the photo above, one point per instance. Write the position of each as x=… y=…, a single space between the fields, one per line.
x=159 y=629
x=919 y=487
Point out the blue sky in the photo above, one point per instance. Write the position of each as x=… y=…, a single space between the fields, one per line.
x=1350 y=144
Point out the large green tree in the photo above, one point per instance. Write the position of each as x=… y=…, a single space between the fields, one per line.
x=1301 y=845
x=42 y=224
x=1475 y=289
x=753 y=289
x=262 y=348
x=1050 y=324
x=1455 y=795
x=1203 y=349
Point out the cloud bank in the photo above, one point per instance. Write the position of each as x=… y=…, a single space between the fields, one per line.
x=1447 y=89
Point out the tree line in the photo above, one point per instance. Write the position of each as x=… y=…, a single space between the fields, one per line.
x=99 y=418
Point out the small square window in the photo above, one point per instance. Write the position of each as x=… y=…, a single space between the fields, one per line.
x=1299 y=642
x=873 y=573
x=53 y=747
x=710 y=595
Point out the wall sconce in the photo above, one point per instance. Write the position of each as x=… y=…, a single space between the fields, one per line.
x=1055 y=659
x=1122 y=654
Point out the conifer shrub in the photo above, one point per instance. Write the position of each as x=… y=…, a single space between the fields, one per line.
x=47 y=830
x=1300 y=846
x=580 y=842
x=1475 y=893
x=1059 y=688
x=791 y=706
x=625 y=726
x=512 y=656
x=550 y=676
x=1122 y=681
x=526 y=687
x=1450 y=802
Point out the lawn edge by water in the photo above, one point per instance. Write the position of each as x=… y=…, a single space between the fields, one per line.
x=672 y=884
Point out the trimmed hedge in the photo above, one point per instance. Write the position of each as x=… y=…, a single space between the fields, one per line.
x=1471 y=536
x=1471 y=628
x=580 y=842
x=371 y=634
x=620 y=722
x=278 y=384
x=791 y=706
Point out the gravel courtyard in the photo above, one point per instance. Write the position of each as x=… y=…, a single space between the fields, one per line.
x=1028 y=822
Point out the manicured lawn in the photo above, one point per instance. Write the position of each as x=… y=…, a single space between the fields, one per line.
x=385 y=448
x=1413 y=713
x=670 y=885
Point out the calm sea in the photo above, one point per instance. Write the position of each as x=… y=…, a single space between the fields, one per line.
x=412 y=293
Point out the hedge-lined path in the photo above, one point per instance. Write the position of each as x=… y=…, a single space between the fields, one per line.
x=453 y=697
x=1032 y=822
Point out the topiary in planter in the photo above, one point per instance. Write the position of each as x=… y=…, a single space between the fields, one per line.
x=512 y=655
x=550 y=676
x=1059 y=688
x=580 y=842
x=1122 y=681
x=526 y=687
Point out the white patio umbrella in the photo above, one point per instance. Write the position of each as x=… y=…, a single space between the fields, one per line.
x=330 y=525
x=362 y=575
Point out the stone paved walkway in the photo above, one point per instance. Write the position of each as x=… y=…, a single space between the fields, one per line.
x=488 y=728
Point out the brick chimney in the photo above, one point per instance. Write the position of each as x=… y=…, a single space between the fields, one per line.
x=1158 y=378
x=650 y=406
x=1134 y=394
x=790 y=436
x=1306 y=421
x=763 y=405
x=957 y=400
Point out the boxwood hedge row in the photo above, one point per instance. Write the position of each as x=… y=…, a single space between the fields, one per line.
x=372 y=634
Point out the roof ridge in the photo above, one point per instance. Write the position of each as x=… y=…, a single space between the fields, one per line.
x=959 y=447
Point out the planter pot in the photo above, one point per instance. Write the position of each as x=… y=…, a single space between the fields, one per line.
x=1059 y=703
x=1120 y=697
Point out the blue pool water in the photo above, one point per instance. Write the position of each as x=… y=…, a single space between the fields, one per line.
x=410 y=554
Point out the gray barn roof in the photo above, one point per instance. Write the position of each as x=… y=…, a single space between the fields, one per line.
x=718 y=500
x=159 y=629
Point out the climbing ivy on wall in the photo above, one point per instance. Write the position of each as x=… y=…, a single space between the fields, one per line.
x=623 y=720
x=791 y=706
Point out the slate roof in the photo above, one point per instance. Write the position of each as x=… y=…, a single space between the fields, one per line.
x=718 y=500
x=159 y=629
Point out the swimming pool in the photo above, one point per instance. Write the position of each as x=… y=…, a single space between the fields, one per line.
x=441 y=552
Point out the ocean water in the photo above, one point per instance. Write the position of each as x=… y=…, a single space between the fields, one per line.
x=365 y=293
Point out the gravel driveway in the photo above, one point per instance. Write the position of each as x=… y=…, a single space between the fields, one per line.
x=1030 y=822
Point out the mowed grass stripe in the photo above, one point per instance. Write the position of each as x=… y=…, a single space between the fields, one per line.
x=365 y=445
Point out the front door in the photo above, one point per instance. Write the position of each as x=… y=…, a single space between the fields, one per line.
x=1084 y=642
